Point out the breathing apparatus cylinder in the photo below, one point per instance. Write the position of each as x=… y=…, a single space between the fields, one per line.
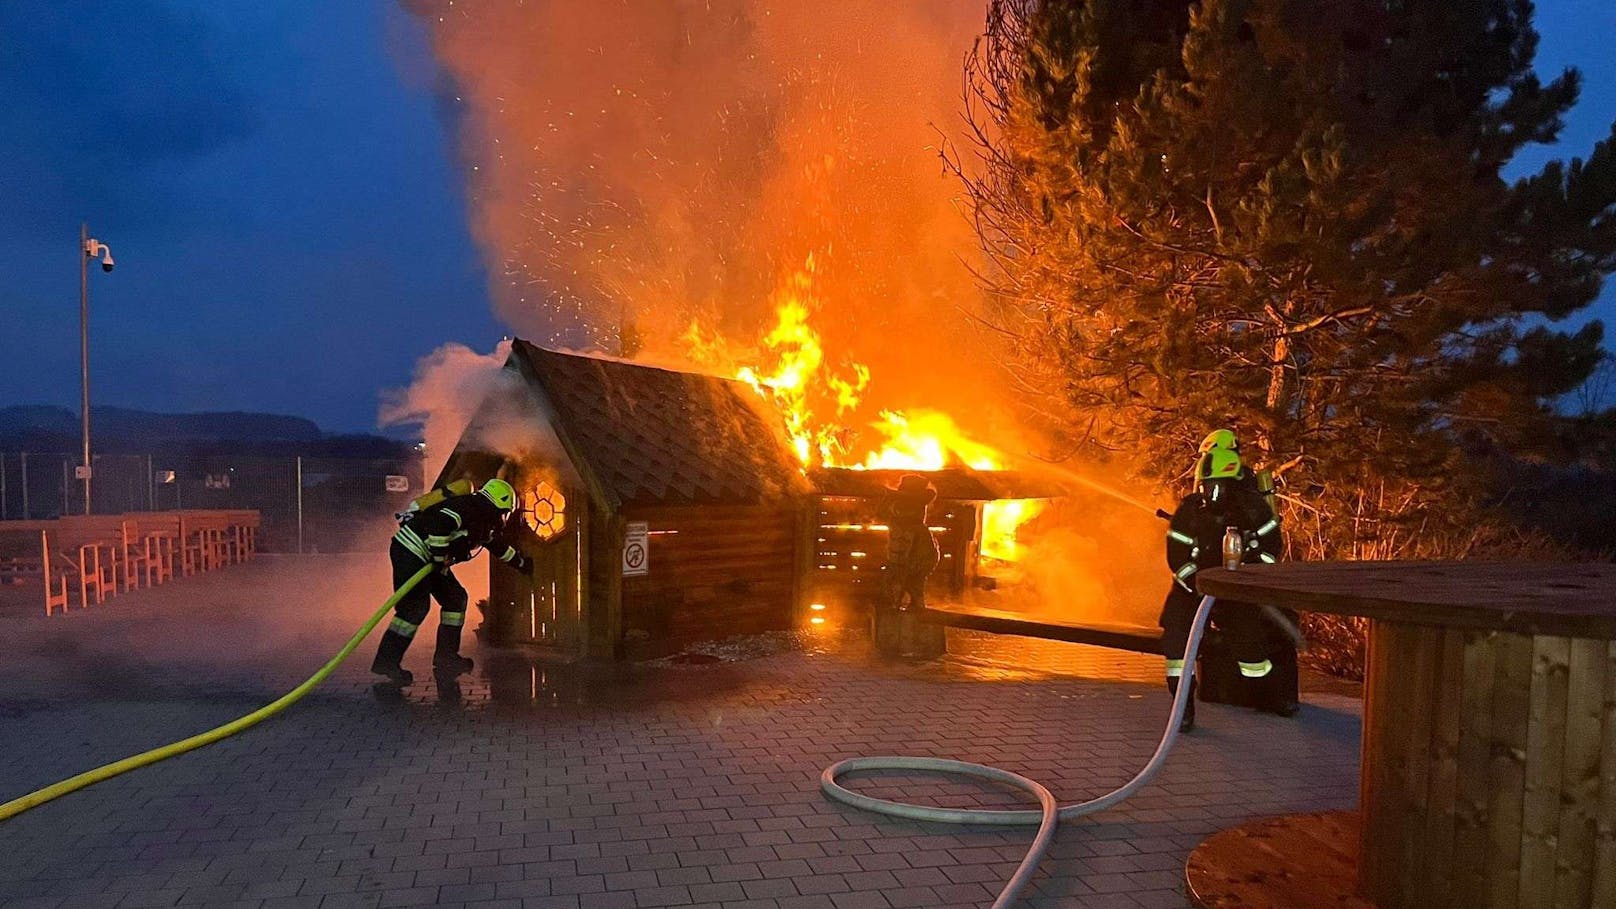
x=431 y=497
x=1265 y=485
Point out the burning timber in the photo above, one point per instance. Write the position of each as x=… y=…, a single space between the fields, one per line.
x=668 y=507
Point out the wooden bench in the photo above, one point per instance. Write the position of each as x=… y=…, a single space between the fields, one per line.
x=215 y=538
x=242 y=539
x=93 y=546
x=1139 y=639
x=26 y=559
x=150 y=540
x=199 y=541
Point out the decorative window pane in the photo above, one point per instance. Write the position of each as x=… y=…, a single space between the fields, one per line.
x=546 y=510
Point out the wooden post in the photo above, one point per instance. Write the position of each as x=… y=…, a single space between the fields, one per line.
x=803 y=558
x=603 y=611
x=579 y=639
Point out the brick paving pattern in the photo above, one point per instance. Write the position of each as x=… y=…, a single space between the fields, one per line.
x=587 y=787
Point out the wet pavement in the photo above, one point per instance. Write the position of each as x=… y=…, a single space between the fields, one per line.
x=536 y=784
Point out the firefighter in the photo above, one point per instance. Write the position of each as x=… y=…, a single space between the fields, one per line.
x=443 y=533
x=1226 y=496
x=911 y=552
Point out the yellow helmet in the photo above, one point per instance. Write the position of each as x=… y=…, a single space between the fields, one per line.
x=1219 y=464
x=1220 y=440
x=501 y=493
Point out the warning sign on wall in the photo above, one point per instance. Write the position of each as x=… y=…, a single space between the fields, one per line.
x=636 y=550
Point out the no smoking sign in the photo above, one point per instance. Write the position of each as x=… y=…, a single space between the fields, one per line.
x=636 y=550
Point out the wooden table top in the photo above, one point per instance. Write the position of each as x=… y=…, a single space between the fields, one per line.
x=1566 y=600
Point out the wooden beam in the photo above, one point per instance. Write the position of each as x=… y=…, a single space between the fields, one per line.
x=1138 y=640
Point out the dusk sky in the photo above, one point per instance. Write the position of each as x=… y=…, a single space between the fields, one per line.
x=278 y=182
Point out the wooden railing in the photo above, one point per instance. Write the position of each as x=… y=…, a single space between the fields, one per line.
x=103 y=555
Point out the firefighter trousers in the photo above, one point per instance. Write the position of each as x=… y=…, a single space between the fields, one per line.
x=411 y=610
x=1242 y=631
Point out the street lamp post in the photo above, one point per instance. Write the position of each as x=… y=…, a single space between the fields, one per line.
x=89 y=248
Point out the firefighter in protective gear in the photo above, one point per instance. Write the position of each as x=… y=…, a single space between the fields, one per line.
x=911 y=552
x=442 y=534
x=1225 y=497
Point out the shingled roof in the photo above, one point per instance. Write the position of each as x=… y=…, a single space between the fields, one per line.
x=658 y=436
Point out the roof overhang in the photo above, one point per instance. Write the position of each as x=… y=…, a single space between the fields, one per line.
x=955 y=483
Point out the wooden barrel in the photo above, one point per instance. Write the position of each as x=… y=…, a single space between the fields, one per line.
x=1489 y=741
x=1490 y=769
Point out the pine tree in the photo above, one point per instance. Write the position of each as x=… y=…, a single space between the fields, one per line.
x=1288 y=216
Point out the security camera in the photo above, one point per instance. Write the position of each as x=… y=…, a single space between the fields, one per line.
x=93 y=248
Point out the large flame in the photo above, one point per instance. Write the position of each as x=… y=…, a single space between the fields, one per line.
x=818 y=397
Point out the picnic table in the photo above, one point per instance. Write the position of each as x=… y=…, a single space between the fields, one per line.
x=109 y=554
x=1489 y=742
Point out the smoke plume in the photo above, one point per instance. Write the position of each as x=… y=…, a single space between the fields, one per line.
x=450 y=384
x=644 y=164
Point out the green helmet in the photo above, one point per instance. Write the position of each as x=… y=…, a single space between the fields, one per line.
x=1220 y=440
x=501 y=493
x=1219 y=464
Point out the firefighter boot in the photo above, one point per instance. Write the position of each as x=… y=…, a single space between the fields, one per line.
x=1187 y=724
x=1278 y=695
x=447 y=659
x=389 y=656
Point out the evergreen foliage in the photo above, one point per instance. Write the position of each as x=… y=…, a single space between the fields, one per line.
x=1288 y=216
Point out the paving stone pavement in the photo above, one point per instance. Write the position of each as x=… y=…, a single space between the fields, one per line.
x=589 y=787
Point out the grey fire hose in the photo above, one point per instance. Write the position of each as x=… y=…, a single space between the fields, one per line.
x=1049 y=813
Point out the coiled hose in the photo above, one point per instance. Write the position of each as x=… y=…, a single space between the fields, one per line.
x=72 y=784
x=1049 y=814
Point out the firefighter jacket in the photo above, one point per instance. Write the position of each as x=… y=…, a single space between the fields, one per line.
x=454 y=529
x=910 y=547
x=1195 y=533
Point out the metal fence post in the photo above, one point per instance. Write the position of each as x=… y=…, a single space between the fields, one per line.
x=300 y=505
x=65 y=483
x=151 y=486
x=25 y=514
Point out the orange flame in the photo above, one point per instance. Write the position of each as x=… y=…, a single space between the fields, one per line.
x=815 y=397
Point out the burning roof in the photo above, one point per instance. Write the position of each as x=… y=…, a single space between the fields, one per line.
x=657 y=436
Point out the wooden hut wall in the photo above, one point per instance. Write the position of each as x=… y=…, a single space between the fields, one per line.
x=850 y=546
x=545 y=608
x=715 y=570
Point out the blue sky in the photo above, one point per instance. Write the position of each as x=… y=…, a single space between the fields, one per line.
x=277 y=182
x=279 y=185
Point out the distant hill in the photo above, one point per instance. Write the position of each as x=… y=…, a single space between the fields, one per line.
x=114 y=429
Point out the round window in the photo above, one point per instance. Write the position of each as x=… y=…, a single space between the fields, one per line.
x=546 y=510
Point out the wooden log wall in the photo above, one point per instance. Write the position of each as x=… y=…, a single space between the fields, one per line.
x=1490 y=770
x=850 y=546
x=715 y=570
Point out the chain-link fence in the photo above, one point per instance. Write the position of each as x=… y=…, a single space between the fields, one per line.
x=309 y=504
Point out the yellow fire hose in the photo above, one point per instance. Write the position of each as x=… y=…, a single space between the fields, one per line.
x=72 y=784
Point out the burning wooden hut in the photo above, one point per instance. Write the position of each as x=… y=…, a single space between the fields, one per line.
x=666 y=507
x=663 y=507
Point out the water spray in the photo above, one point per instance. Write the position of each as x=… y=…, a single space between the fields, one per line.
x=1111 y=491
